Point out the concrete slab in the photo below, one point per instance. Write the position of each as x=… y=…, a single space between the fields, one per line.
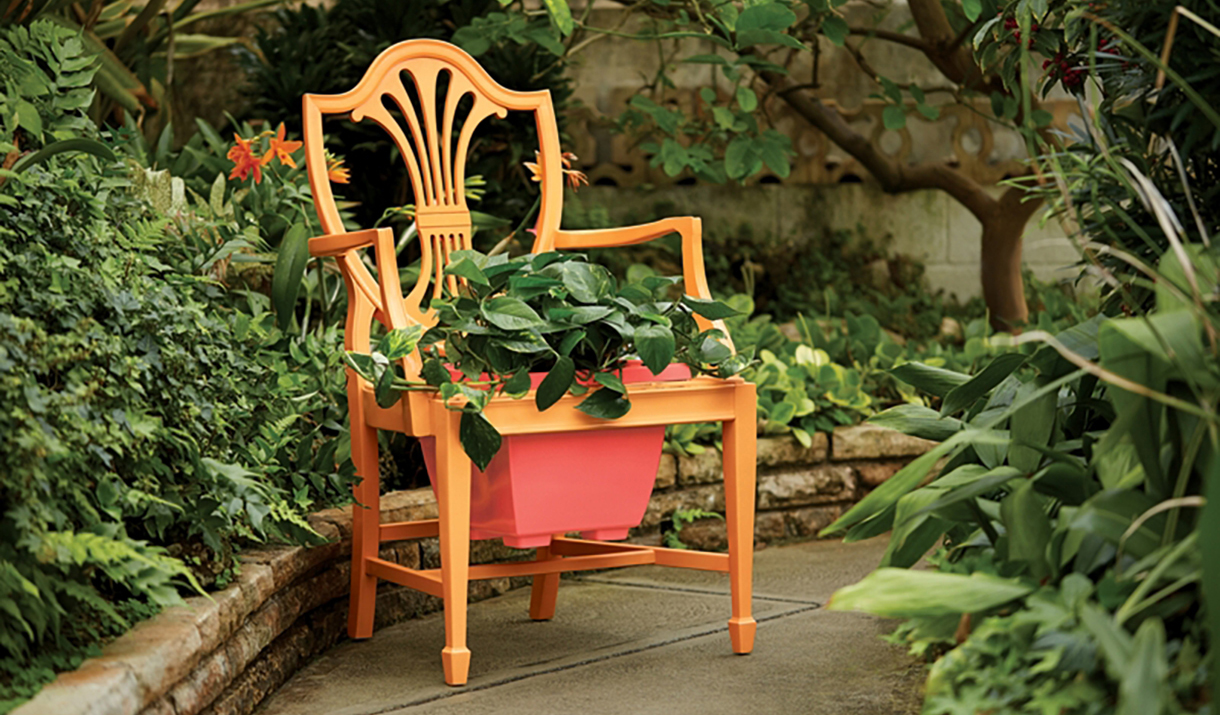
x=402 y=664
x=808 y=572
x=824 y=663
x=637 y=640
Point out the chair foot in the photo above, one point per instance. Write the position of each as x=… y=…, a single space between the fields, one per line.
x=741 y=633
x=457 y=665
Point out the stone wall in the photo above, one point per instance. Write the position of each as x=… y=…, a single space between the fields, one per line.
x=222 y=654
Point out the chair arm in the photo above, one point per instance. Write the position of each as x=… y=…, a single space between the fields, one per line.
x=688 y=227
x=337 y=244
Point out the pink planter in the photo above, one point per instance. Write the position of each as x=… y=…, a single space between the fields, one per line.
x=597 y=483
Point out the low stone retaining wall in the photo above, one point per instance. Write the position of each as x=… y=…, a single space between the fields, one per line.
x=222 y=654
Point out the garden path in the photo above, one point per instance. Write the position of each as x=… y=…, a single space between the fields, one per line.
x=636 y=641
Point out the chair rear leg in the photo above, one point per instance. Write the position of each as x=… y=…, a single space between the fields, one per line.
x=453 y=495
x=740 y=465
x=366 y=524
x=544 y=591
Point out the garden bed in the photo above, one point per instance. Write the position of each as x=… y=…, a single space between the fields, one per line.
x=224 y=653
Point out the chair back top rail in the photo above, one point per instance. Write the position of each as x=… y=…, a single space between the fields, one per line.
x=430 y=97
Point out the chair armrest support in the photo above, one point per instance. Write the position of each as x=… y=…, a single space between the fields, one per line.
x=337 y=244
x=688 y=227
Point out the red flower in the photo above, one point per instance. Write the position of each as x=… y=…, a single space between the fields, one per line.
x=244 y=160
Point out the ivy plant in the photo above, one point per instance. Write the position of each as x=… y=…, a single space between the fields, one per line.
x=553 y=313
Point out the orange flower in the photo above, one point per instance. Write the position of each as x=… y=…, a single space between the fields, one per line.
x=244 y=161
x=336 y=171
x=575 y=178
x=281 y=149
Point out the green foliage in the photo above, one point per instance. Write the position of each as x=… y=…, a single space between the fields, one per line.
x=45 y=73
x=152 y=419
x=132 y=48
x=1081 y=493
x=554 y=313
x=327 y=51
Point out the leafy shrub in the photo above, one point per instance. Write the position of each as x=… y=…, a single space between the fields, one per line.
x=152 y=419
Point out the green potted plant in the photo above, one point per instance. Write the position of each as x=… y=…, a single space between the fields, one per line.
x=550 y=324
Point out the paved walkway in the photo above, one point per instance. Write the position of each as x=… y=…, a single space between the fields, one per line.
x=635 y=641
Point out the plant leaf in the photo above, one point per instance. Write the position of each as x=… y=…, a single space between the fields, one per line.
x=556 y=383
x=605 y=404
x=479 y=438
x=903 y=593
x=290 y=262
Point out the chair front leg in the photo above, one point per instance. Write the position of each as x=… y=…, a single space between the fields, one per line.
x=453 y=497
x=366 y=518
x=740 y=466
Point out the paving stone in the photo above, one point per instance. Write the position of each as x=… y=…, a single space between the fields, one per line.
x=667 y=471
x=703 y=468
x=809 y=521
x=768 y=526
x=803 y=486
x=709 y=498
x=197 y=690
x=867 y=441
x=93 y=689
x=874 y=474
x=159 y=652
x=776 y=451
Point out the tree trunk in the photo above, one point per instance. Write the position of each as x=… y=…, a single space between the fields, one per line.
x=1000 y=270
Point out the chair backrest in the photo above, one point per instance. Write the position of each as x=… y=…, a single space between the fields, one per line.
x=403 y=86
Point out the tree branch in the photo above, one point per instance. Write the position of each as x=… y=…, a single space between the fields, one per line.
x=893 y=176
x=888 y=36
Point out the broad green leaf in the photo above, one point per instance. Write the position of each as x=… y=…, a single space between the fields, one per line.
x=1031 y=427
x=903 y=593
x=765 y=16
x=611 y=381
x=918 y=421
x=710 y=309
x=835 y=28
x=435 y=373
x=935 y=380
x=479 y=438
x=290 y=262
x=972 y=9
x=605 y=404
x=397 y=344
x=556 y=383
x=1028 y=528
x=1141 y=691
x=518 y=384
x=655 y=345
x=746 y=99
x=383 y=389
x=28 y=118
x=894 y=117
x=586 y=282
x=87 y=146
x=561 y=14
x=510 y=314
x=967 y=482
x=967 y=393
x=466 y=268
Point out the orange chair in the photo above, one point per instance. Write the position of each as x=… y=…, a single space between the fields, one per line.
x=436 y=166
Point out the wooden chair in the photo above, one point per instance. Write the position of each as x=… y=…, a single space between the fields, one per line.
x=436 y=166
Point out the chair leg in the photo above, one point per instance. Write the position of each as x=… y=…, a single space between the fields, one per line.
x=366 y=523
x=544 y=591
x=453 y=495
x=740 y=465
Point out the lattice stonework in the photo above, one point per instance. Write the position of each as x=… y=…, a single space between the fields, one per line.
x=962 y=137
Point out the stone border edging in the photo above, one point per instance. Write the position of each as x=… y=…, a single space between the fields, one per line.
x=222 y=654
